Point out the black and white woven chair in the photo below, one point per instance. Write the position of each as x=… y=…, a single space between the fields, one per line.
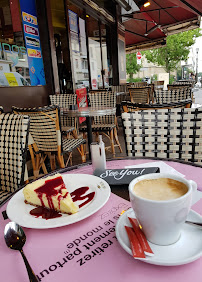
x=129 y=107
x=164 y=133
x=68 y=124
x=13 y=148
x=170 y=96
x=46 y=137
x=105 y=125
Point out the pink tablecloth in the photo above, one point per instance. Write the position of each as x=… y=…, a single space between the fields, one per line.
x=88 y=250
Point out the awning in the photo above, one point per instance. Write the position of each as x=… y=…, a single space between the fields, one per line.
x=148 y=28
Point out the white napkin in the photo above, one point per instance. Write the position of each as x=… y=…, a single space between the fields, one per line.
x=165 y=168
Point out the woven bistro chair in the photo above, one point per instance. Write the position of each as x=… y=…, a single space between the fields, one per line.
x=175 y=95
x=129 y=107
x=164 y=133
x=13 y=149
x=68 y=124
x=1 y=110
x=45 y=138
x=105 y=125
x=122 y=94
x=140 y=95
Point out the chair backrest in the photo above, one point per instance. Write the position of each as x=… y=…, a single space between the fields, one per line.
x=13 y=150
x=1 y=109
x=65 y=101
x=129 y=107
x=178 y=86
x=164 y=133
x=121 y=89
x=175 y=95
x=140 y=95
x=139 y=84
x=189 y=83
x=105 y=99
x=158 y=84
x=44 y=126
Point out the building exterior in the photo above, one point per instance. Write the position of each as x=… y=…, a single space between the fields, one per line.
x=57 y=47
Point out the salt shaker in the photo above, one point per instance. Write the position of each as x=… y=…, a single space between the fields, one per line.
x=98 y=155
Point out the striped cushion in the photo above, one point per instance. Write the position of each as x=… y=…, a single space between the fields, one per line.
x=70 y=144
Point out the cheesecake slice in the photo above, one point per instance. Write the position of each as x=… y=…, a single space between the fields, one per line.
x=50 y=193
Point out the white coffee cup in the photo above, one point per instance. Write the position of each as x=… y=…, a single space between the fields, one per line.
x=162 y=220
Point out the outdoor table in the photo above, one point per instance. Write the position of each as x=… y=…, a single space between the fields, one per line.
x=89 y=112
x=88 y=250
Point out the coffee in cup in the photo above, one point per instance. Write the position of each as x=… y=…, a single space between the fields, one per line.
x=161 y=203
x=161 y=189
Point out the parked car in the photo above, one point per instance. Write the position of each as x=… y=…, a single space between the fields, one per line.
x=12 y=79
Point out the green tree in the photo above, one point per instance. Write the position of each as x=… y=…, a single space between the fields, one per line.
x=176 y=49
x=131 y=65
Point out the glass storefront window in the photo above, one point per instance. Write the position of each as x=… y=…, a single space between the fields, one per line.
x=94 y=53
x=78 y=46
x=16 y=69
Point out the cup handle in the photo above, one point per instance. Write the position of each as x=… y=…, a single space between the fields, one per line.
x=193 y=185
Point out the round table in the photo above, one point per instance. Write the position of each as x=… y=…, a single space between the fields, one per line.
x=89 y=248
x=89 y=112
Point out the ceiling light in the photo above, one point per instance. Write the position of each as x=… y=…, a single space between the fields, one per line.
x=147 y=4
x=141 y=3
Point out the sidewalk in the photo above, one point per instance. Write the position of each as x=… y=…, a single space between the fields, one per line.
x=198 y=95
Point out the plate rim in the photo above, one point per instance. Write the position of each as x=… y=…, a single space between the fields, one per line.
x=86 y=215
x=151 y=260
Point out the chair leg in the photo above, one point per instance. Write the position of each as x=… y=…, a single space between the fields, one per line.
x=60 y=159
x=82 y=153
x=52 y=162
x=117 y=139
x=112 y=142
x=69 y=159
x=34 y=166
x=97 y=136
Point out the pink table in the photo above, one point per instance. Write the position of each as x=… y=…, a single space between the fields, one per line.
x=88 y=250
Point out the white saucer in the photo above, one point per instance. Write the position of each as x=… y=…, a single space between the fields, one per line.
x=187 y=249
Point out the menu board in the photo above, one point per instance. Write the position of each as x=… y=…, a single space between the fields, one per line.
x=82 y=100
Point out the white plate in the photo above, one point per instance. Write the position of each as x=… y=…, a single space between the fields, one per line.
x=187 y=249
x=18 y=211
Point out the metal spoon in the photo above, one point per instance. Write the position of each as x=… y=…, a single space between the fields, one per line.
x=198 y=224
x=15 y=239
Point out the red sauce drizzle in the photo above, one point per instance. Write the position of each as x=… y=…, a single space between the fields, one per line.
x=78 y=195
x=50 y=188
x=45 y=213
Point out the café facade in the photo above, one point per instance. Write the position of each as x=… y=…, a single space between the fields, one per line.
x=49 y=46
